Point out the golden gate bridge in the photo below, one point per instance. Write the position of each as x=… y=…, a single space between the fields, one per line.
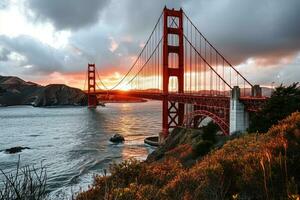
x=180 y=67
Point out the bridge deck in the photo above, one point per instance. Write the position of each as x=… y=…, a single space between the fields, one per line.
x=217 y=101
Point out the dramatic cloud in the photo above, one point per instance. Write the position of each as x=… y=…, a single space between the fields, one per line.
x=68 y=14
x=57 y=38
x=243 y=29
x=285 y=72
x=31 y=54
x=4 y=54
x=139 y=18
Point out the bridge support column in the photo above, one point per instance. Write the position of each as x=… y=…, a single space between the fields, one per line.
x=256 y=91
x=239 y=117
x=173 y=112
x=92 y=98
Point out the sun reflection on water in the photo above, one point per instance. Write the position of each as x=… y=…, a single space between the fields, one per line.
x=132 y=152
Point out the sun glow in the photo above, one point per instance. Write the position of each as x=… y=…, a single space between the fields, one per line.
x=125 y=87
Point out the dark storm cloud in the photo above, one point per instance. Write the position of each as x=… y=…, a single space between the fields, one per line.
x=4 y=54
x=40 y=57
x=68 y=14
x=266 y=30
x=244 y=29
x=141 y=17
x=136 y=18
x=129 y=24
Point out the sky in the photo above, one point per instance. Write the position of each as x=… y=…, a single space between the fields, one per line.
x=51 y=41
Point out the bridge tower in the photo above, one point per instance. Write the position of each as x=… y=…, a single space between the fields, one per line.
x=173 y=113
x=92 y=98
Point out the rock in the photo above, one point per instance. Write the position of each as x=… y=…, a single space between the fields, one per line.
x=189 y=145
x=101 y=104
x=15 y=149
x=178 y=138
x=117 y=138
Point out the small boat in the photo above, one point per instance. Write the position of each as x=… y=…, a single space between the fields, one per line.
x=152 y=141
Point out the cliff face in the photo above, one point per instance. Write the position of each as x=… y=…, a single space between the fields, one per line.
x=15 y=91
x=58 y=94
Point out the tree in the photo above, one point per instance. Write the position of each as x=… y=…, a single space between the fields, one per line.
x=283 y=101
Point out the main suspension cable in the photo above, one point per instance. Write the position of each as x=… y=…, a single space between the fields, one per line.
x=216 y=50
x=135 y=62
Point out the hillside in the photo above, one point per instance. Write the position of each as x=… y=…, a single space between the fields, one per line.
x=15 y=91
x=252 y=166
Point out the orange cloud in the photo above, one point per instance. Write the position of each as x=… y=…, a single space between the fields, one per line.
x=79 y=79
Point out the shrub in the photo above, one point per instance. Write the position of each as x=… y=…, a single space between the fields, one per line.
x=283 y=102
x=209 y=132
x=201 y=148
x=26 y=183
x=159 y=174
x=126 y=172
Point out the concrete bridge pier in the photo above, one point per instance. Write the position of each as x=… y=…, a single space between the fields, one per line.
x=239 y=117
x=256 y=91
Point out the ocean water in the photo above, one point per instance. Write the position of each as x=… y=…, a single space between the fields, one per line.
x=73 y=142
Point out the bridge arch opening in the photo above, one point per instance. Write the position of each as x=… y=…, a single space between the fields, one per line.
x=199 y=115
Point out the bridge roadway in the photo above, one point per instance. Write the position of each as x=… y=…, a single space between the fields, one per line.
x=251 y=103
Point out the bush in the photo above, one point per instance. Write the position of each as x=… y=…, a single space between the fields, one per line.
x=283 y=102
x=201 y=148
x=126 y=172
x=209 y=132
x=26 y=183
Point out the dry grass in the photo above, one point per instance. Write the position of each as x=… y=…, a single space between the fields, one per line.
x=26 y=183
x=264 y=166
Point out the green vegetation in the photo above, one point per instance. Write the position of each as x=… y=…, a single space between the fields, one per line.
x=283 y=102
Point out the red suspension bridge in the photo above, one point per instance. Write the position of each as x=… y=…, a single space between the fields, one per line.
x=181 y=68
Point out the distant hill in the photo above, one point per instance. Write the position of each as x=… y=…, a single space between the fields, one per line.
x=15 y=91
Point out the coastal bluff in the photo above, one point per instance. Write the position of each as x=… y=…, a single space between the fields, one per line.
x=15 y=91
